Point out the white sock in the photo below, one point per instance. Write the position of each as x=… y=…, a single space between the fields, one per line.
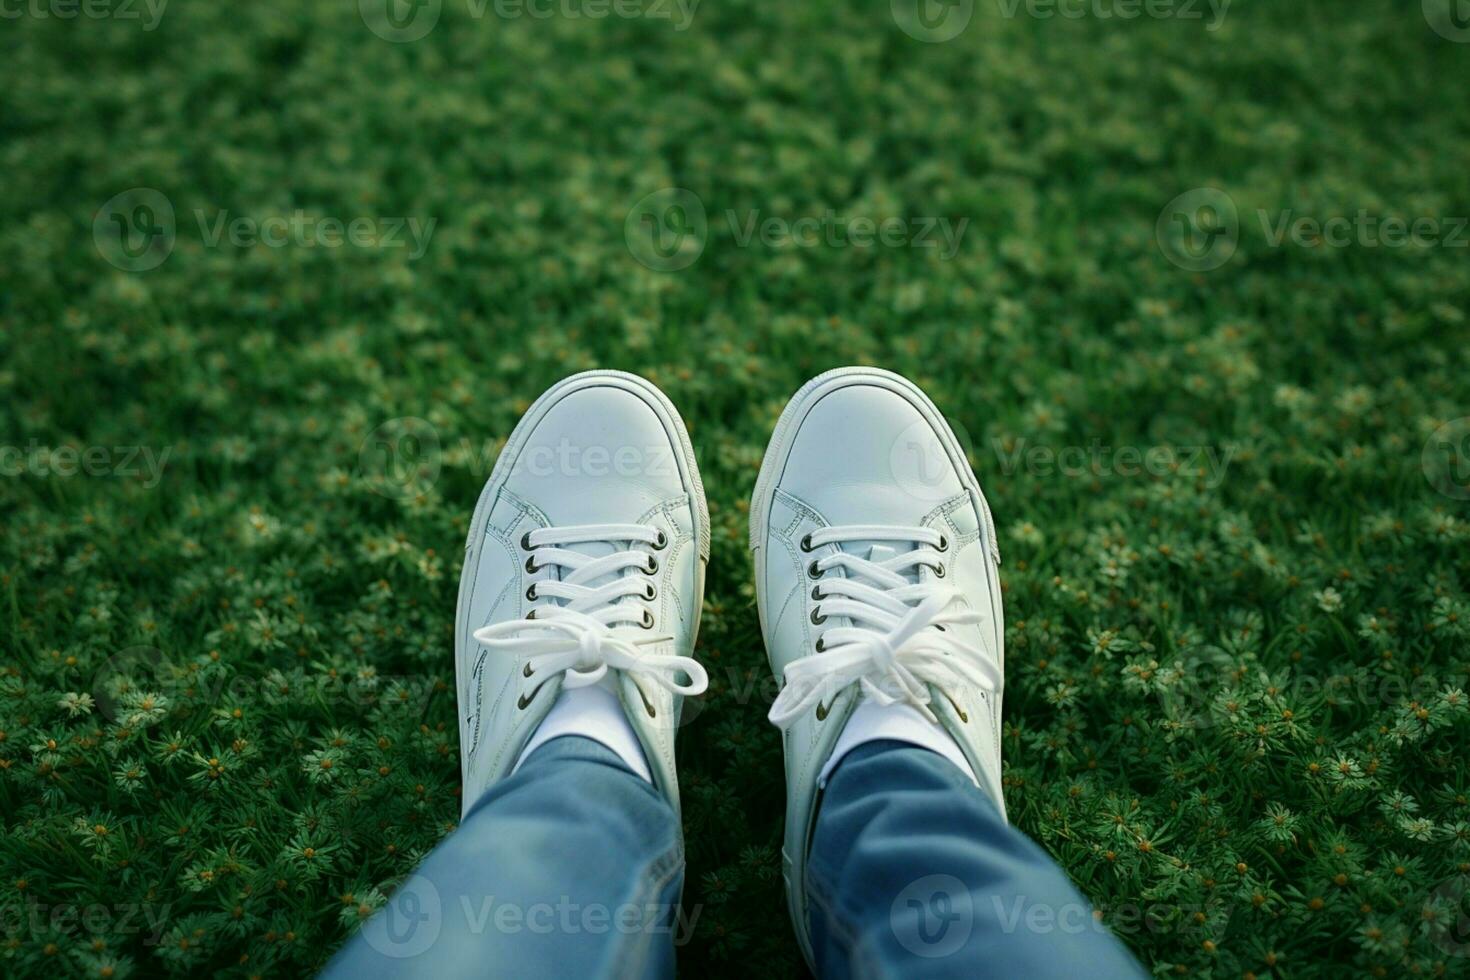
x=898 y=722
x=591 y=712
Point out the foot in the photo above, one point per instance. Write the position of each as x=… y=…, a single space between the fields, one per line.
x=583 y=580
x=878 y=588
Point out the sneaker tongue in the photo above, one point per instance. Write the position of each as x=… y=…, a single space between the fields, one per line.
x=879 y=551
x=601 y=549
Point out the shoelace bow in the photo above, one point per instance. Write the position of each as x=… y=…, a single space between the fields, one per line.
x=899 y=642
x=600 y=619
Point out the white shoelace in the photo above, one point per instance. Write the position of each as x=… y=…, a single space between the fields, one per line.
x=900 y=642
x=600 y=617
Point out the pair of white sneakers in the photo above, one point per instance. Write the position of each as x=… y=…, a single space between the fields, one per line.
x=876 y=581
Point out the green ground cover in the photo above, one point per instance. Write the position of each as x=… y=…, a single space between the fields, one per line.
x=1221 y=444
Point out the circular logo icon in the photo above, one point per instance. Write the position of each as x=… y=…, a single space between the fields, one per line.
x=1446 y=459
x=135 y=230
x=409 y=923
x=127 y=672
x=666 y=231
x=1187 y=698
x=1447 y=915
x=1450 y=19
x=400 y=21
x=400 y=458
x=920 y=465
x=933 y=917
x=932 y=21
x=1199 y=229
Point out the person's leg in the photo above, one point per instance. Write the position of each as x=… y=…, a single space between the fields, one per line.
x=571 y=867
x=914 y=873
x=574 y=632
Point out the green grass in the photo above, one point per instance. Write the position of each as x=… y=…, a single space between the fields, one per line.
x=1234 y=708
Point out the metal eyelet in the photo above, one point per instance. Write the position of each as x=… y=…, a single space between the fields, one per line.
x=650 y=593
x=821 y=644
x=526 y=699
x=526 y=541
x=806 y=542
x=813 y=570
x=822 y=710
x=647 y=622
x=957 y=709
x=943 y=543
x=531 y=593
x=817 y=593
x=527 y=671
x=938 y=571
x=531 y=614
x=661 y=542
x=652 y=565
x=531 y=567
x=817 y=618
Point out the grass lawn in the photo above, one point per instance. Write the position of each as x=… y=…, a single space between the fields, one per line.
x=273 y=289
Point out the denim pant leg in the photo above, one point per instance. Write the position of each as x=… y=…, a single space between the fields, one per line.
x=572 y=867
x=913 y=873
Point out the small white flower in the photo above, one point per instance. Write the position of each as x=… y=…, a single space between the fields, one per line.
x=1328 y=600
x=1027 y=533
x=76 y=704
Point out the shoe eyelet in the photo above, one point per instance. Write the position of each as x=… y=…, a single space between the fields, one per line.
x=821 y=644
x=652 y=565
x=531 y=593
x=943 y=543
x=817 y=618
x=964 y=718
x=650 y=592
x=531 y=614
x=647 y=622
x=822 y=710
x=531 y=567
x=813 y=570
x=661 y=542
x=817 y=593
x=527 y=671
x=806 y=542
x=938 y=571
x=526 y=699
x=526 y=541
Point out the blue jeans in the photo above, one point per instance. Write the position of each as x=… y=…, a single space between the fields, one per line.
x=573 y=867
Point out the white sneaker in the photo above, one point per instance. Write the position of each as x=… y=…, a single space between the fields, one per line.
x=583 y=578
x=878 y=585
